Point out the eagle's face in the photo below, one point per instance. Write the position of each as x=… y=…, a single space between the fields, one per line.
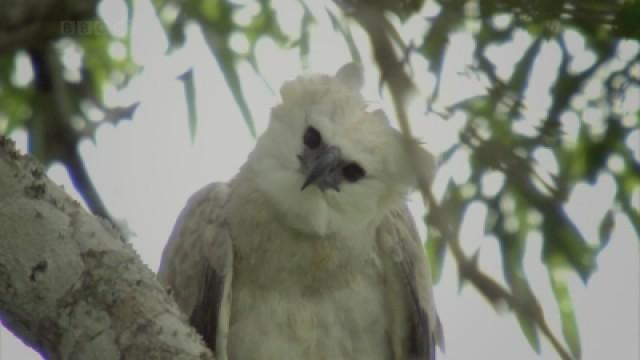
x=325 y=163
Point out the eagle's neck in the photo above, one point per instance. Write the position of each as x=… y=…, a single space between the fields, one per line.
x=274 y=253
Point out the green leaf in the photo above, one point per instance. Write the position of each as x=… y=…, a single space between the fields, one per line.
x=216 y=33
x=436 y=41
x=346 y=34
x=176 y=33
x=567 y=315
x=190 y=97
x=561 y=238
x=15 y=103
x=626 y=22
x=304 y=43
x=606 y=227
x=435 y=247
x=233 y=81
x=513 y=248
x=530 y=332
x=211 y=10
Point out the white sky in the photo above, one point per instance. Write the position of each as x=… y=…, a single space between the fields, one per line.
x=145 y=170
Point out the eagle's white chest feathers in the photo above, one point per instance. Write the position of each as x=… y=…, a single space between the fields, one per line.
x=299 y=297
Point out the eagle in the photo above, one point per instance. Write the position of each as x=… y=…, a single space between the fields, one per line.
x=310 y=252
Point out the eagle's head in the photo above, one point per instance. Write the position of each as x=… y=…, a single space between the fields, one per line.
x=325 y=163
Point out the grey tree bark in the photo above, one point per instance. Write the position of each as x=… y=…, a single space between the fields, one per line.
x=70 y=286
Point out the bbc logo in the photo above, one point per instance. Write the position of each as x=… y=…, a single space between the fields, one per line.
x=82 y=28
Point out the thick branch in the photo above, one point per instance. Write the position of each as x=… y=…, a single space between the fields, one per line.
x=70 y=286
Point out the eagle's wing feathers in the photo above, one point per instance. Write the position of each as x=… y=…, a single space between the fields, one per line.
x=415 y=327
x=197 y=263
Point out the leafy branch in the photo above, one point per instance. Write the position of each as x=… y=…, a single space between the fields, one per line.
x=401 y=86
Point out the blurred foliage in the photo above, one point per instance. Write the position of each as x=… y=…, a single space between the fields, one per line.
x=586 y=129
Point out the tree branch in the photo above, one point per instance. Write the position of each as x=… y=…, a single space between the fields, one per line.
x=70 y=286
x=401 y=86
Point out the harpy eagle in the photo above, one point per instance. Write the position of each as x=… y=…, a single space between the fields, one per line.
x=310 y=252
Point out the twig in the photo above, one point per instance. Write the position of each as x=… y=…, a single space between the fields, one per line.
x=58 y=140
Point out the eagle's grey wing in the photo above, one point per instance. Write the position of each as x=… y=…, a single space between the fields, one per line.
x=197 y=266
x=414 y=325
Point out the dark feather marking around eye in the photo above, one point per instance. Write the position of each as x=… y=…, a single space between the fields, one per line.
x=353 y=172
x=312 y=138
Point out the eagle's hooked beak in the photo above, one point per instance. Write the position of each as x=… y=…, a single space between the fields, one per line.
x=321 y=167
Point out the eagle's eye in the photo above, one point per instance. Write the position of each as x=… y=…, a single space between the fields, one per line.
x=312 y=138
x=352 y=172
